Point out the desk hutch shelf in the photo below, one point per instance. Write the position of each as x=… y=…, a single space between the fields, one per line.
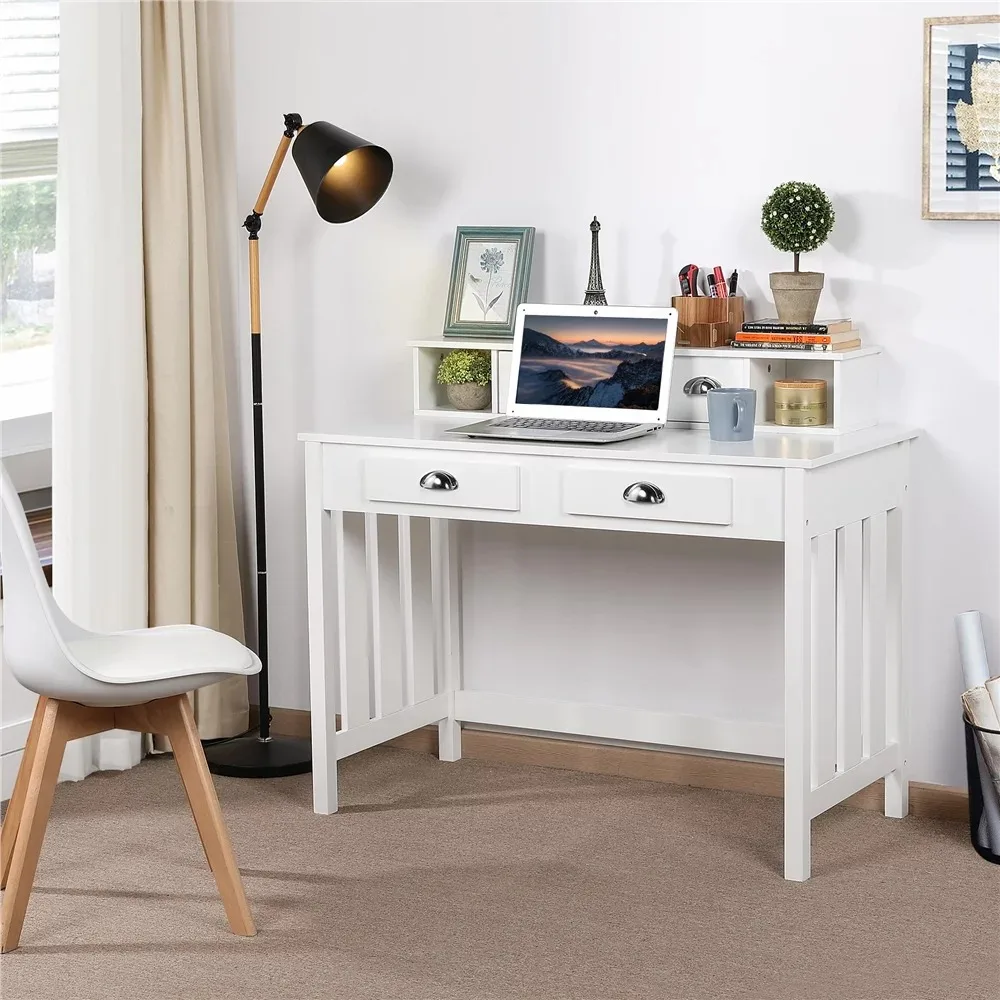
x=851 y=377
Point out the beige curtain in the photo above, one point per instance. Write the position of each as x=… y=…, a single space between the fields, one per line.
x=186 y=112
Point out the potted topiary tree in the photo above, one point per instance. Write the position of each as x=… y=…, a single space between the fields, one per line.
x=466 y=376
x=797 y=218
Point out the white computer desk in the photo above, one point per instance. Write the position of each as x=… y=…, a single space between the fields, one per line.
x=382 y=501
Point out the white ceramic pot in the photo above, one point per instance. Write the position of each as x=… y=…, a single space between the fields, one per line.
x=469 y=396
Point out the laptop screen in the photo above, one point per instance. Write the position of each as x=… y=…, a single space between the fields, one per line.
x=606 y=362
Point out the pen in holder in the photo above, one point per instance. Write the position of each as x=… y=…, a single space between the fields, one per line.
x=706 y=322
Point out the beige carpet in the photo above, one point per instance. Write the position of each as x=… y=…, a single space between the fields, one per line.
x=478 y=881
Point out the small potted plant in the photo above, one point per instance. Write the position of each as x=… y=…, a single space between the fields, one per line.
x=466 y=377
x=797 y=218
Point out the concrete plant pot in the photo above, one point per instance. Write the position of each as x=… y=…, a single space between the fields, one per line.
x=796 y=295
x=469 y=396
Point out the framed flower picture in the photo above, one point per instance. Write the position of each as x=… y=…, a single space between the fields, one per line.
x=961 y=161
x=489 y=280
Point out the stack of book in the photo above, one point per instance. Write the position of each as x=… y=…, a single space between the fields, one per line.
x=823 y=335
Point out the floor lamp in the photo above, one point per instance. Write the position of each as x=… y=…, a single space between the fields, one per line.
x=345 y=176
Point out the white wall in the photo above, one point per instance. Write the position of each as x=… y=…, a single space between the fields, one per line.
x=544 y=114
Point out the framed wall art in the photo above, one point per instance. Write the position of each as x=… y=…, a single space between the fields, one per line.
x=490 y=270
x=961 y=155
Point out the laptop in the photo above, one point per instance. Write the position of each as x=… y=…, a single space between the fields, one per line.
x=585 y=374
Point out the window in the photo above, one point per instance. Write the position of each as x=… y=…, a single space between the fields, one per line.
x=29 y=103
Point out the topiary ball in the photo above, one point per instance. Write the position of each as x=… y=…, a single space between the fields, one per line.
x=463 y=367
x=797 y=217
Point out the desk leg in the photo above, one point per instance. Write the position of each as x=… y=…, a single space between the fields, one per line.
x=896 y=786
x=447 y=595
x=322 y=682
x=798 y=715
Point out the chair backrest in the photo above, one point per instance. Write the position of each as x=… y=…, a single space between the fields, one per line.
x=35 y=630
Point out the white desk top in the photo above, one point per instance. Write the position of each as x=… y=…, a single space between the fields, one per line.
x=804 y=451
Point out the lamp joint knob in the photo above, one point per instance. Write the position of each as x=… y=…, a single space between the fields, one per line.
x=252 y=224
x=292 y=124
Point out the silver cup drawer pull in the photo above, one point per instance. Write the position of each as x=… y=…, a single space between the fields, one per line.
x=700 y=385
x=643 y=493
x=438 y=481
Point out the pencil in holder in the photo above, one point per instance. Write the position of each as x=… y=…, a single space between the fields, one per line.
x=703 y=321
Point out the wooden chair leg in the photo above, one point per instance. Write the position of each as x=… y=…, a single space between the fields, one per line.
x=198 y=819
x=15 y=808
x=197 y=822
x=41 y=785
x=176 y=720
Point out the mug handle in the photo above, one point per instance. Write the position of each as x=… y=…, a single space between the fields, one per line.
x=739 y=412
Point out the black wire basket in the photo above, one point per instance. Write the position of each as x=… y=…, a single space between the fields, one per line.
x=976 y=769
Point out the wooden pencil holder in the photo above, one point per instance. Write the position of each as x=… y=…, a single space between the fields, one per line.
x=706 y=322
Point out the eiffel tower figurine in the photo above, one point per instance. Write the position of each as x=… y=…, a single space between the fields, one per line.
x=595 y=287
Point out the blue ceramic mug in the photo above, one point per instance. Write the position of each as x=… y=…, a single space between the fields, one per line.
x=731 y=414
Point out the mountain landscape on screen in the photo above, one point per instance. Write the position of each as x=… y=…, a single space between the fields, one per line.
x=597 y=362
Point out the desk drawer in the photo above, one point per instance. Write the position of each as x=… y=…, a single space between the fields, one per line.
x=442 y=480
x=655 y=494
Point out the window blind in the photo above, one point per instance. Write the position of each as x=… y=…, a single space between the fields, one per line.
x=29 y=70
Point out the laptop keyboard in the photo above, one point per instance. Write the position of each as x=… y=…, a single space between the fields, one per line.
x=542 y=424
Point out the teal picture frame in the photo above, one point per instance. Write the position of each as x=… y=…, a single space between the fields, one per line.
x=487 y=285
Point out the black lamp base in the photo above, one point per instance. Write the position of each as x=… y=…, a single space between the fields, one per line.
x=252 y=757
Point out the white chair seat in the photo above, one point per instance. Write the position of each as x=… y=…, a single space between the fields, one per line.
x=157 y=653
x=126 y=668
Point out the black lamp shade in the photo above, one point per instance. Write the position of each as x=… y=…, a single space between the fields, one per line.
x=345 y=174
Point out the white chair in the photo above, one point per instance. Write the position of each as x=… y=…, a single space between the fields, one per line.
x=88 y=683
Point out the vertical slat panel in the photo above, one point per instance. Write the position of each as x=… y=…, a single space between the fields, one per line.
x=824 y=658
x=407 y=640
x=323 y=667
x=850 y=648
x=352 y=620
x=453 y=611
x=874 y=581
x=438 y=550
x=373 y=614
x=424 y=651
x=389 y=623
x=896 y=789
x=447 y=601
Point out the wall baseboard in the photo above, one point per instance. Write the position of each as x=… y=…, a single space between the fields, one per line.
x=926 y=800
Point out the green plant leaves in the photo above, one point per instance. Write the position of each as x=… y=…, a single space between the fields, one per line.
x=462 y=367
x=797 y=217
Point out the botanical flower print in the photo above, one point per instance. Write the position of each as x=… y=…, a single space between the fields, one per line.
x=491 y=260
x=489 y=272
